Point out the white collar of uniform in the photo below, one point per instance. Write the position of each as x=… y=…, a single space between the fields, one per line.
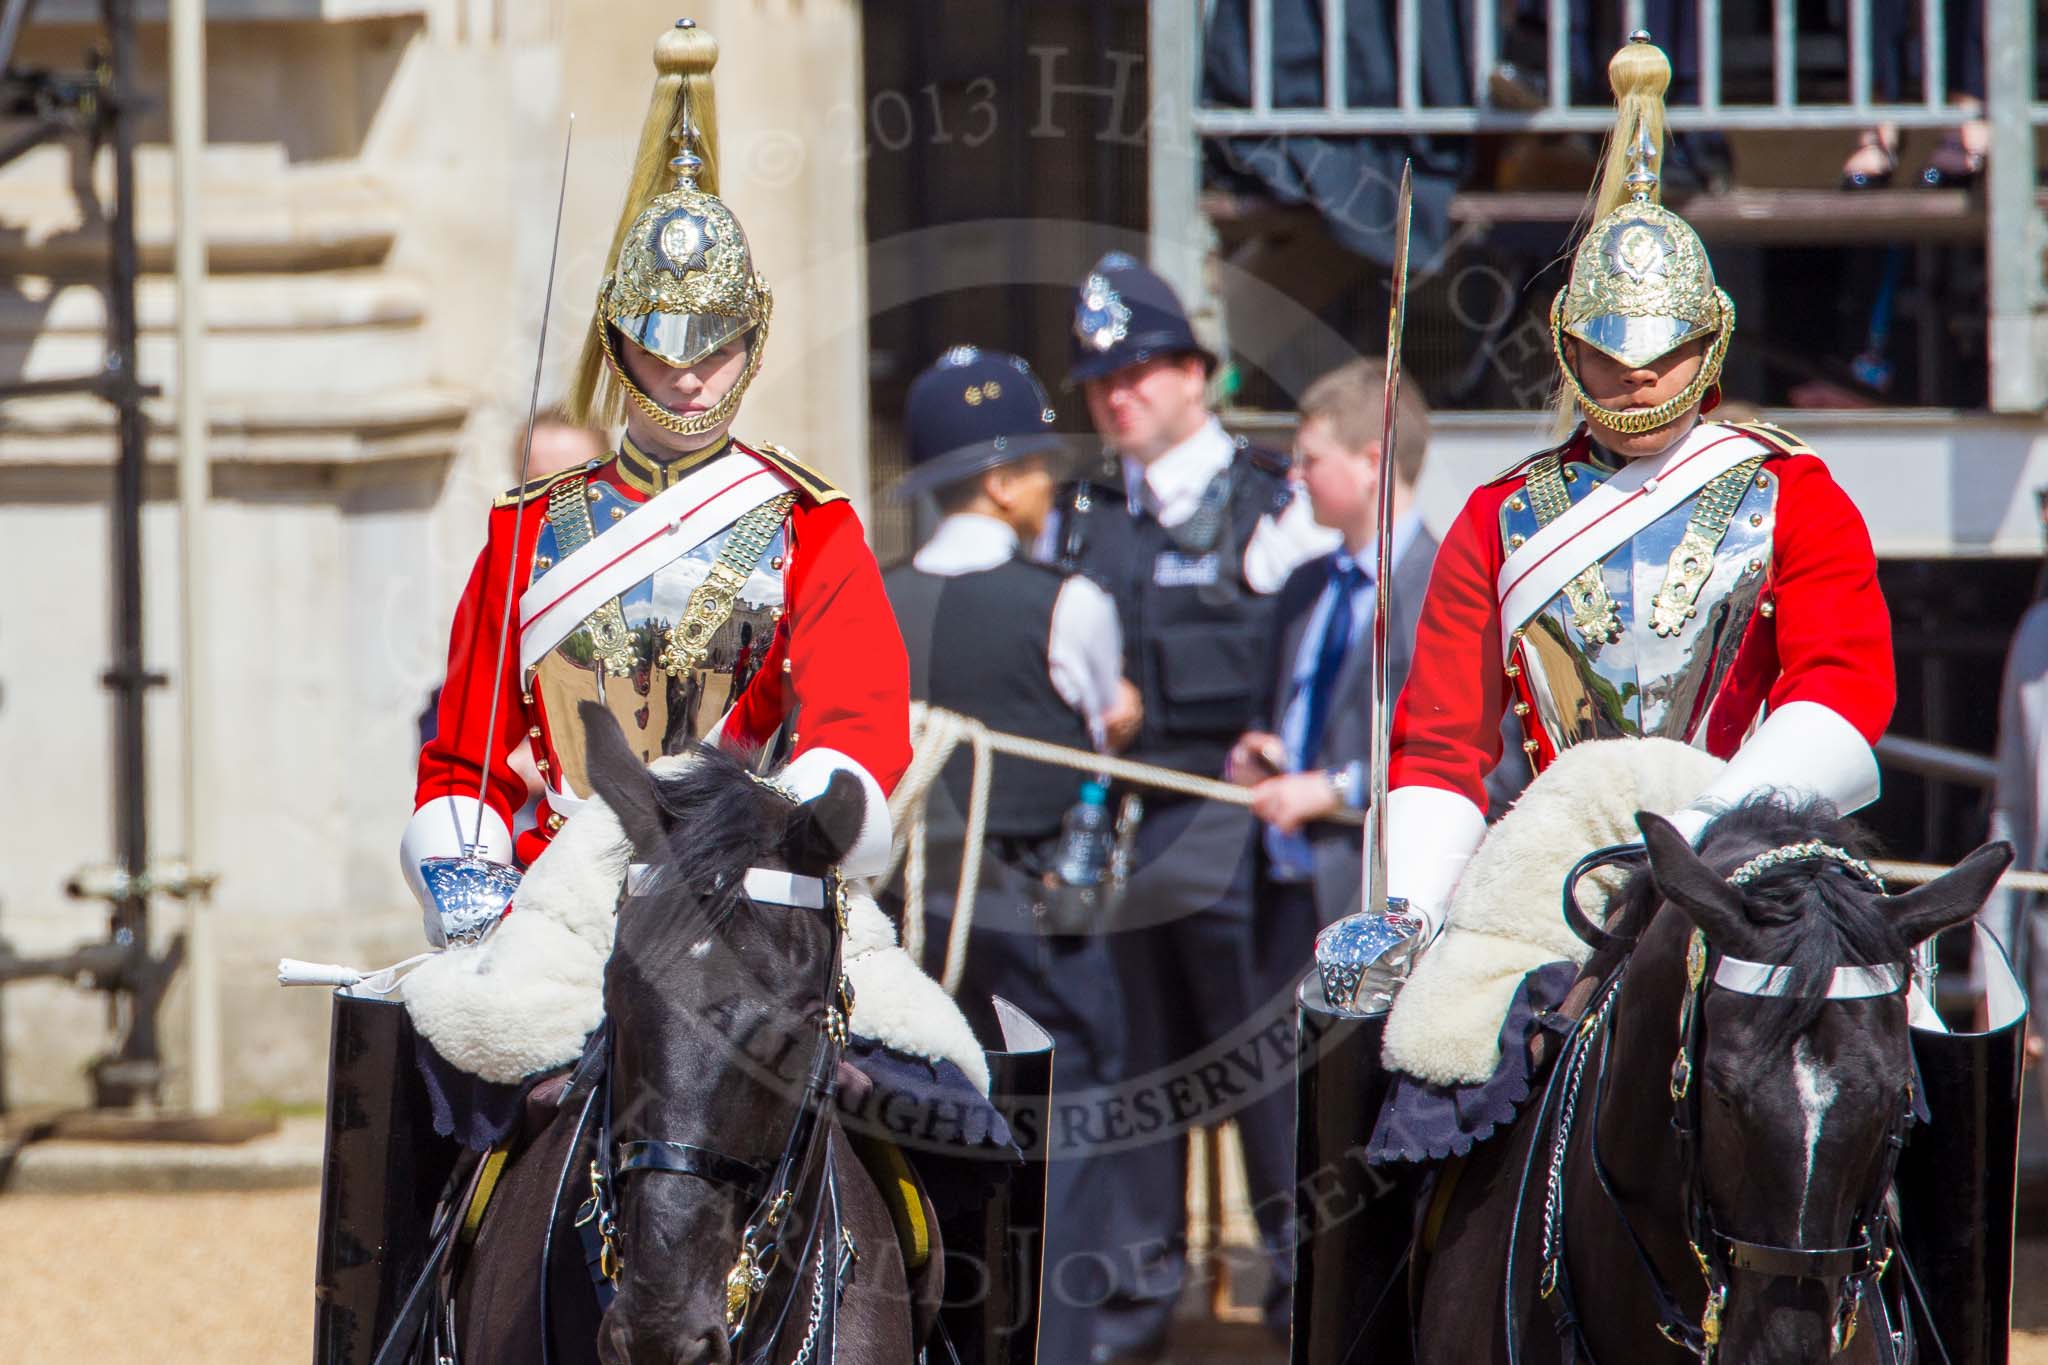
x=1172 y=485
x=966 y=542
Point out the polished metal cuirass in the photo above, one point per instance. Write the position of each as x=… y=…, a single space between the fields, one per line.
x=623 y=655
x=1620 y=652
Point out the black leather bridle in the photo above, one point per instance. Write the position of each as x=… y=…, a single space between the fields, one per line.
x=1858 y=1266
x=771 y=1192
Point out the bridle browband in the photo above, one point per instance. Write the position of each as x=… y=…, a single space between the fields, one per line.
x=1805 y=851
x=1716 y=1253
x=772 y=1192
x=1768 y=980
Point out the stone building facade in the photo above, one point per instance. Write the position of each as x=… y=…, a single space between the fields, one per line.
x=379 y=195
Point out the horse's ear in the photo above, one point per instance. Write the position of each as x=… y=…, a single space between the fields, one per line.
x=826 y=826
x=618 y=775
x=1684 y=879
x=1952 y=897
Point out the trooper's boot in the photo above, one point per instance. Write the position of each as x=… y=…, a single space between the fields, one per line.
x=996 y=1255
x=384 y=1172
x=1351 y=1270
x=1958 y=1178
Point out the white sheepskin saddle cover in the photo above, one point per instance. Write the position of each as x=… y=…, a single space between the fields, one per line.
x=1506 y=918
x=522 y=1000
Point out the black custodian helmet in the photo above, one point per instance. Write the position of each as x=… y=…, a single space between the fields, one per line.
x=1125 y=314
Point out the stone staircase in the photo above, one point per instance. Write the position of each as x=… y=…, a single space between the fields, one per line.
x=317 y=349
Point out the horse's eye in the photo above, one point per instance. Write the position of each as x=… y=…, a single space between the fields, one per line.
x=1723 y=1087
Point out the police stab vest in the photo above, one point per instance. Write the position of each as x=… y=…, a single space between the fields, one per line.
x=1195 y=635
x=978 y=645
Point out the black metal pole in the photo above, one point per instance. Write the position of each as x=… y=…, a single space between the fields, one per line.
x=134 y=1074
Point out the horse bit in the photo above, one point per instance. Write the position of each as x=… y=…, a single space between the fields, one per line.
x=1858 y=1265
x=773 y=1195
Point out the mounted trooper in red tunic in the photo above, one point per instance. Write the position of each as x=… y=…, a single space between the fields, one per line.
x=697 y=586
x=1656 y=575
x=691 y=589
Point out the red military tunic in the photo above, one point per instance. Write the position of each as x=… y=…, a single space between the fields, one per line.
x=834 y=659
x=1788 y=611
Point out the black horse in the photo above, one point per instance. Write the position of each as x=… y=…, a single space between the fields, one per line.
x=707 y=1170
x=1706 y=1173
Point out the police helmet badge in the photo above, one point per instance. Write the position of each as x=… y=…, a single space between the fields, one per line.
x=1103 y=318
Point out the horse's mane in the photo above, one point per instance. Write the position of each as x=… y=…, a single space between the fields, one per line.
x=1818 y=914
x=721 y=822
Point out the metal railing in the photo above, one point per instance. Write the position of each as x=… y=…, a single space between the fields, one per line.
x=2014 y=229
x=1785 y=109
x=1941 y=762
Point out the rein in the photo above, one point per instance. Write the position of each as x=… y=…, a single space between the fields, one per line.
x=1858 y=1266
x=773 y=1192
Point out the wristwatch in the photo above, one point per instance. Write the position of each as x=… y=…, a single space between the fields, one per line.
x=1345 y=782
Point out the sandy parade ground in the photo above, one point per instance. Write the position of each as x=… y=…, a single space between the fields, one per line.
x=179 y=1279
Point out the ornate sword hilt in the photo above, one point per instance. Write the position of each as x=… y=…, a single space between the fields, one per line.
x=1364 y=959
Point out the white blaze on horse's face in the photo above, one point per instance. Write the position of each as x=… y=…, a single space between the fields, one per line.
x=1817 y=1090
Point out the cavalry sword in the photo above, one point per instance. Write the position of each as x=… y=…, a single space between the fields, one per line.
x=547 y=307
x=470 y=891
x=1362 y=959
x=1382 y=692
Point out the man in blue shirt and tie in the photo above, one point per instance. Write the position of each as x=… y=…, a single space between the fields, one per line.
x=1311 y=760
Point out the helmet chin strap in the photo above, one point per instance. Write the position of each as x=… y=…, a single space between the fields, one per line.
x=1677 y=430
x=693 y=424
x=719 y=414
x=1636 y=422
x=675 y=450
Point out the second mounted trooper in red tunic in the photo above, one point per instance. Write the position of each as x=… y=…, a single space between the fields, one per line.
x=1655 y=576
x=697 y=586
x=1657 y=573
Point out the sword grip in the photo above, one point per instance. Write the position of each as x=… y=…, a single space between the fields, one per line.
x=291 y=971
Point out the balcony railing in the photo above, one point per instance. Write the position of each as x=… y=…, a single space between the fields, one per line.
x=1785 y=109
x=2014 y=235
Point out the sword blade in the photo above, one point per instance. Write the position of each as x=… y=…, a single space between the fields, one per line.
x=547 y=308
x=1382 y=695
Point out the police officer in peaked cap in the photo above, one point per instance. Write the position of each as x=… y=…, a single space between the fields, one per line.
x=1191 y=531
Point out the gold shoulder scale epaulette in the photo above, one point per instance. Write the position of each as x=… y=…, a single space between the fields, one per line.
x=1523 y=465
x=813 y=485
x=533 y=488
x=1774 y=436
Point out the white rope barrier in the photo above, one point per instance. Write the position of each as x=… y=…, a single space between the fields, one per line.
x=937 y=733
x=1140 y=774
x=934 y=734
x=1919 y=874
